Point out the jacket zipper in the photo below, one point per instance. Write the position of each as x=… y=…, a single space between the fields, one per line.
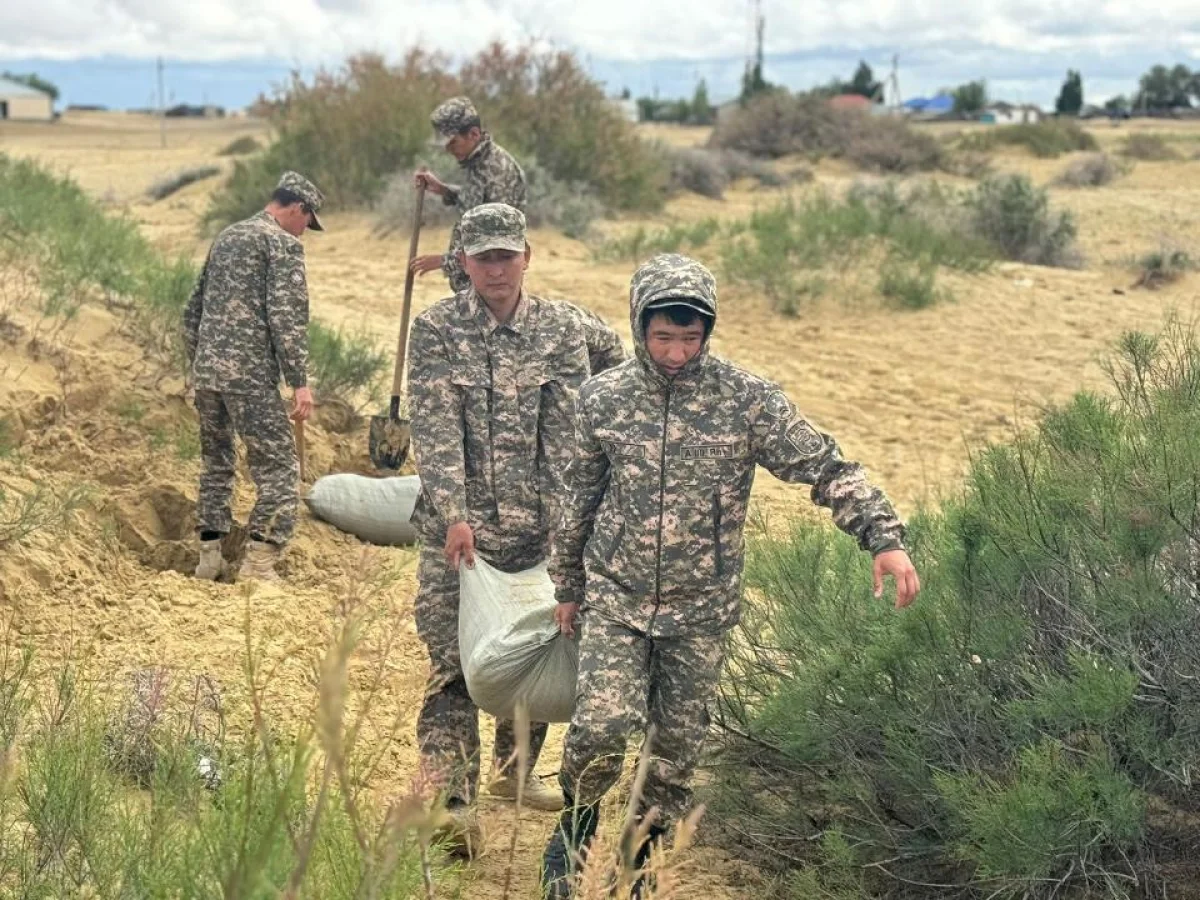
x=717 y=533
x=662 y=499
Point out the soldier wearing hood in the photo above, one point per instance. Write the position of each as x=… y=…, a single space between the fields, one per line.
x=652 y=543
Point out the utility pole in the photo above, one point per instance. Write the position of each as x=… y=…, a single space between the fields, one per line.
x=162 y=108
x=894 y=83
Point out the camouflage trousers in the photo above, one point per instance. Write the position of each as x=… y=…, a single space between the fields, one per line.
x=261 y=421
x=448 y=725
x=628 y=683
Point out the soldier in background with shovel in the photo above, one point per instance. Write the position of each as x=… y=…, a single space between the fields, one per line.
x=493 y=376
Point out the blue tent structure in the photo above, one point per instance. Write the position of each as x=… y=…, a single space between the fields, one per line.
x=931 y=106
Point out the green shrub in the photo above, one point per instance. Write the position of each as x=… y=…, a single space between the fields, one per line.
x=1012 y=214
x=243 y=146
x=1148 y=147
x=1047 y=139
x=1028 y=727
x=1092 y=170
x=571 y=208
x=641 y=242
x=342 y=365
x=777 y=124
x=350 y=130
x=1164 y=266
x=909 y=287
x=177 y=181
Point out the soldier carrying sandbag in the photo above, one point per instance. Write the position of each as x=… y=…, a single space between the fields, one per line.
x=493 y=375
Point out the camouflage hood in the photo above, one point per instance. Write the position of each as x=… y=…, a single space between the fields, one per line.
x=670 y=276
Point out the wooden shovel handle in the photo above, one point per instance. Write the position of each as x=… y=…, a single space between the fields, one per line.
x=406 y=308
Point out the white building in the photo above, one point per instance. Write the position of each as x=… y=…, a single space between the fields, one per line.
x=1011 y=114
x=19 y=102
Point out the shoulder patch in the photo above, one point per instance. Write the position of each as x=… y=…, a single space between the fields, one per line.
x=297 y=278
x=778 y=406
x=805 y=438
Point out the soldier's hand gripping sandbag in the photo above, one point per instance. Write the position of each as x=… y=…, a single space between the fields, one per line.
x=512 y=651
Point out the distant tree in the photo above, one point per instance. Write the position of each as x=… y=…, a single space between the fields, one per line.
x=702 y=111
x=1163 y=88
x=626 y=93
x=753 y=81
x=1117 y=105
x=864 y=84
x=647 y=106
x=1070 y=98
x=971 y=97
x=34 y=81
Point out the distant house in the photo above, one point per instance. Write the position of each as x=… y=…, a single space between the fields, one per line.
x=1002 y=113
x=851 y=101
x=19 y=102
x=930 y=107
x=186 y=111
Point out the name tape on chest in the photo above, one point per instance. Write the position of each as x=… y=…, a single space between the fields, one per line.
x=618 y=449
x=733 y=450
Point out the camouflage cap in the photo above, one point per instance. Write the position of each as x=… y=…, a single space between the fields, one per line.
x=670 y=279
x=492 y=226
x=454 y=116
x=308 y=194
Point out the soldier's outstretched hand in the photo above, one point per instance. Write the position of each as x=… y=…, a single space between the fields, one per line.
x=897 y=564
x=460 y=546
x=433 y=184
x=429 y=263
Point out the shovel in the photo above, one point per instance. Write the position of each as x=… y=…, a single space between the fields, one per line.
x=389 y=436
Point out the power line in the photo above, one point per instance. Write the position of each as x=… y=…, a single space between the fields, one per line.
x=162 y=107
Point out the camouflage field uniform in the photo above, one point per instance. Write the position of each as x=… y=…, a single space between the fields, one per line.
x=491 y=175
x=245 y=323
x=492 y=410
x=652 y=539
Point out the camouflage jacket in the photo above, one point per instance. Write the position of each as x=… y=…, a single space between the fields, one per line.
x=492 y=176
x=659 y=489
x=492 y=410
x=247 y=317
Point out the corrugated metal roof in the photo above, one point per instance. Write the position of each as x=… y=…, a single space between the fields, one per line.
x=10 y=88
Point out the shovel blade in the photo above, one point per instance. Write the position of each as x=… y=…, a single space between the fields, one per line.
x=388 y=442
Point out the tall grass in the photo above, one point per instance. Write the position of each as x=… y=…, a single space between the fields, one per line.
x=1047 y=139
x=152 y=795
x=1029 y=727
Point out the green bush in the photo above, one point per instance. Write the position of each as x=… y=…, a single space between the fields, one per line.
x=1164 y=266
x=177 y=181
x=777 y=124
x=343 y=365
x=1014 y=215
x=1148 y=147
x=1047 y=139
x=243 y=146
x=1092 y=170
x=350 y=130
x=1029 y=726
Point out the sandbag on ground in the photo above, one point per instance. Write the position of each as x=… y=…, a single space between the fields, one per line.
x=377 y=510
x=511 y=649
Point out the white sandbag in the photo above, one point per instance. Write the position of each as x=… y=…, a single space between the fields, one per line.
x=377 y=510
x=512 y=651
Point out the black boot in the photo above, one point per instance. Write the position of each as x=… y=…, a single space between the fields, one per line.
x=642 y=857
x=575 y=828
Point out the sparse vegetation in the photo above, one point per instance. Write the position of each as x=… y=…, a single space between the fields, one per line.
x=1164 y=266
x=709 y=172
x=1047 y=139
x=1091 y=170
x=1014 y=215
x=571 y=208
x=396 y=205
x=350 y=130
x=343 y=366
x=27 y=510
x=143 y=793
x=777 y=124
x=177 y=181
x=243 y=146
x=1148 y=147
x=1026 y=728
x=641 y=242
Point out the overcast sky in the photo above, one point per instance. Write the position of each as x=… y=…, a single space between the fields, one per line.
x=1022 y=47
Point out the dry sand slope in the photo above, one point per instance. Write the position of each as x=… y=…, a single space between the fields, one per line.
x=907 y=393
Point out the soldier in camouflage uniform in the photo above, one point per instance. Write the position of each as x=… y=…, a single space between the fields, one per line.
x=490 y=173
x=493 y=375
x=652 y=541
x=245 y=323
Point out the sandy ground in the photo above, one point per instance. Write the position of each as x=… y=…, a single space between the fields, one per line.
x=910 y=394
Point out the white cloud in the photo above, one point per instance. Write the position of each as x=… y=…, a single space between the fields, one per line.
x=316 y=31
